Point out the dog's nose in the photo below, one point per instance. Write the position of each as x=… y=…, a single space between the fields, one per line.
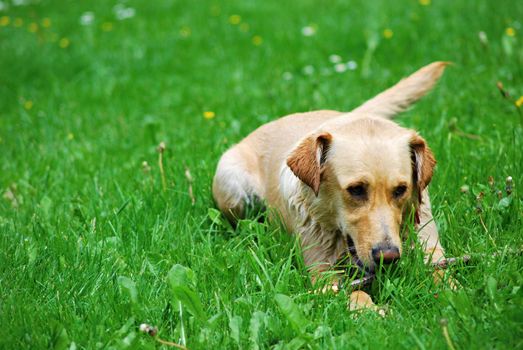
x=388 y=253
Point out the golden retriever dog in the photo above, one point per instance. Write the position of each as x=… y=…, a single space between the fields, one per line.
x=335 y=177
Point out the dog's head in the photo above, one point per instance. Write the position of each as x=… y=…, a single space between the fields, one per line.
x=366 y=175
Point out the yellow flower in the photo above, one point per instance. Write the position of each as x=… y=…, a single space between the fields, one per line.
x=244 y=27
x=33 y=27
x=18 y=22
x=257 y=40
x=185 y=31
x=64 y=43
x=4 y=21
x=510 y=31
x=424 y=2
x=387 y=33
x=107 y=26
x=70 y=136
x=235 y=19
x=519 y=102
x=28 y=104
x=46 y=22
x=208 y=114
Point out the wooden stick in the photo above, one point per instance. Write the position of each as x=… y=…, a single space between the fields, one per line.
x=169 y=343
x=362 y=282
x=443 y=264
x=153 y=332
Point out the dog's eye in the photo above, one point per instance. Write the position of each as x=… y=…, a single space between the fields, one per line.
x=357 y=191
x=399 y=191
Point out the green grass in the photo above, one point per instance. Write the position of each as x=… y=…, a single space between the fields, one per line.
x=88 y=240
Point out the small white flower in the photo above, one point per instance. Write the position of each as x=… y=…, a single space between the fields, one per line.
x=121 y=12
x=144 y=327
x=340 y=68
x=20 y=2
x=129 y=12
x=335 y=58
x=87 y=18
x=308 y=70
x=287 y=76
x=483 y=37
x=308 y=31
x=352 y=65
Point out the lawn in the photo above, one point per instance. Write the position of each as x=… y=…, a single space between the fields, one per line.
x=94 y=242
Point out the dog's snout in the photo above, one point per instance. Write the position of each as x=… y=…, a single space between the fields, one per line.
x=386 y=252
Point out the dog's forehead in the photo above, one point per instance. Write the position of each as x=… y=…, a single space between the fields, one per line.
x=371 y=158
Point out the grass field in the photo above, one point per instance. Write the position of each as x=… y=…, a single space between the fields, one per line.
x=91 y=245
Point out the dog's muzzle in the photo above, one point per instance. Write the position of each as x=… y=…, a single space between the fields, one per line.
x=385 y=253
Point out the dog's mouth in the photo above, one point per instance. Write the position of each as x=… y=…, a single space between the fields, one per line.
x=353 y=262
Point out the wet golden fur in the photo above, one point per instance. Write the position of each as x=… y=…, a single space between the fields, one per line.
x=305 y=165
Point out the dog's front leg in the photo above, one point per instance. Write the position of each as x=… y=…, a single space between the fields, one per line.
x=428 y=232
x=361 y=301
x=429 y=238
x=321 y=250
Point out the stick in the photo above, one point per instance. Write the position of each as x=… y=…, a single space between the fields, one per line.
x=443 y=264
x=362 y=282
x=161 y=149
x=168 y=343
x=189 y=179
x=444 y=323
x=153 y=332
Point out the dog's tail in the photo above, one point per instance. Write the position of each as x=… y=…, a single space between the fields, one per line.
x=406 y=92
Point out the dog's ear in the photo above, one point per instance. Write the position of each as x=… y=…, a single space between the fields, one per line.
x=423 y=162
x=307 y=159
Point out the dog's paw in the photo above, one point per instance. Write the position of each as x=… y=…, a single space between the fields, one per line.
x=434 y=255
x=360 y=301
x=328 y=288
x=443 y=277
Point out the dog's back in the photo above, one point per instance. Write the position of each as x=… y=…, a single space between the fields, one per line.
x=250 y=170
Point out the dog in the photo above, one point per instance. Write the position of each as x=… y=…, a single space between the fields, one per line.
x=337 y=179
